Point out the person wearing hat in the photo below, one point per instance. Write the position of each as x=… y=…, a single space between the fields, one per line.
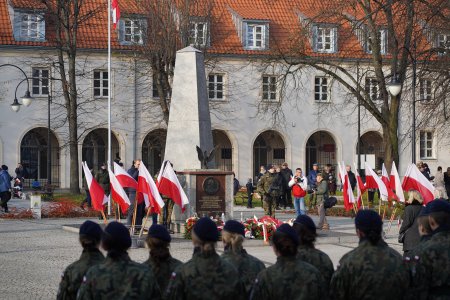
x=118 y=277
x=269 y=187
x=306 y=231
x=160 y=260
x=102 y=177
x=206 y=275
x=289 y=277
x=409 y=231
x=247 y=265
x=320 y=194
x=372 y=270
x=71 y=278
x=5 y=187
x=433 y=259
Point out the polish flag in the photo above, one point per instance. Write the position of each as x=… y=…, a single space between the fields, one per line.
x=117 y=192
x=370 y=181
x=385 y=179
x=414 y=180
x=169 y=185
x=97 y=193
x=124 y=178
x=379 y=183
x=395 y=184
x=148 y=188
x=360 y=188
x=115 y=12
x=347 y=192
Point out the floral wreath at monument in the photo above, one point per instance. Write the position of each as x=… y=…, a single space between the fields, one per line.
x=190 y=222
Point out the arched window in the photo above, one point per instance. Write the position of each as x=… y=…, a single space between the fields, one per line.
x=153 y=149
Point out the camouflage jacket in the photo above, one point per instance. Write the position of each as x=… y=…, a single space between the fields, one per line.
x=319 y=260
x=370 y=272
x=266 y=182
x=163 y=270
x=73 y=275
x=119 y=278
x=248 y=267
x=433 y=267
x=205 y=276
x=322 y=191
x=289 y=278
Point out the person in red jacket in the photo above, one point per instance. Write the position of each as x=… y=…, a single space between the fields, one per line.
x=299 y=184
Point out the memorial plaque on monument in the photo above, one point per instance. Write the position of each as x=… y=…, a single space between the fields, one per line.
x=210 y=195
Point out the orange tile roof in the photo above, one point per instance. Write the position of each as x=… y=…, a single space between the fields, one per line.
x=282 y=15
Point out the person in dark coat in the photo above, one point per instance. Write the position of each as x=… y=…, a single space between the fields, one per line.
x=409 y=225
x=5 y=186
x=351 y=177
x=140 y=210
x=250 y=190
x=287 y=193
x=447 y=182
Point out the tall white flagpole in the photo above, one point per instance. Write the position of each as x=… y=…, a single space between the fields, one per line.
x=109 y=96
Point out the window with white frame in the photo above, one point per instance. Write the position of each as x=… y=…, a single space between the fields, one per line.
x=29 y=26
x=443 y=41
x=426 y=144
x=269 y=88
x=372 y=88
x=100 y=83
x=256 y=36
x=132 y=31
x=325 y=39
x=321 y=89
x=424 y=89
x=40 y=81
x=216 y=87
x=198 y=33
x=382 y=37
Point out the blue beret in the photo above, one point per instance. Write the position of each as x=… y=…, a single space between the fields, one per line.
x=368 y=219
x=289 y=231
x=91 y=229
x=119 y=233
x=307 y=222
x=159 y=232
x=206 y=230
x=437 y=205
x=234 y=227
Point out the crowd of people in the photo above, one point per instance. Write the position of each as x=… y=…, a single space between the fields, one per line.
x=372 y=270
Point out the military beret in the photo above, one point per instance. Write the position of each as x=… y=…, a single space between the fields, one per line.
x=368 y=219
x=206 y=230
x=307 y=222
x=289 y=231
x=315 y=164
x=234 y=227
x=319 y=174
x=91 y=229
x=437 y=205
x=5 y=167
x=159 y=232
x=119 y=233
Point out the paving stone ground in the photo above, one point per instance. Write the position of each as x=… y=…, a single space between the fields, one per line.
x=33 y=253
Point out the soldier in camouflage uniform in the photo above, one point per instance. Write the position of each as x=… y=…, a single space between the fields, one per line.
x=321 y=193
x=160 y=260
x=289 y=278
x=306 y=230
x=206 y=275
x=90 y=236
x=248 y=266
x=432 y=261
x=372 y=270
x=118 y=277
x=270 y=190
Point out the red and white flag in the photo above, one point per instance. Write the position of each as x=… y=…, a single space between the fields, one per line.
x=370 y=180
x=384 y=195
x=360 y=188
x=115 y=12
x=385 y=179
x=347 y=192
x=98 y=196
x=124 y=178
x=148 y=188
x=117 y=192
x=415 y=180
x=169 y=185
x=395 y=184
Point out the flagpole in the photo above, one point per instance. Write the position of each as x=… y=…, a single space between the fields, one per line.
x=109 y=96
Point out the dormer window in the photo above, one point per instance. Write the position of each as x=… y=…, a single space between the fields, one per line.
x=132 y=31
x=382 y=37
x=198 y=33
x=256 y=36
x=29 y=26
x=325 y=38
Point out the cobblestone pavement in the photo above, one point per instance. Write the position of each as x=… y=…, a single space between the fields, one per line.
x=33 y=253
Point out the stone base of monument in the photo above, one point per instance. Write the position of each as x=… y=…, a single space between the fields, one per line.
x=210 y=193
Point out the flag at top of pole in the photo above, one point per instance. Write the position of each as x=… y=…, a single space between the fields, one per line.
x=115 y=12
